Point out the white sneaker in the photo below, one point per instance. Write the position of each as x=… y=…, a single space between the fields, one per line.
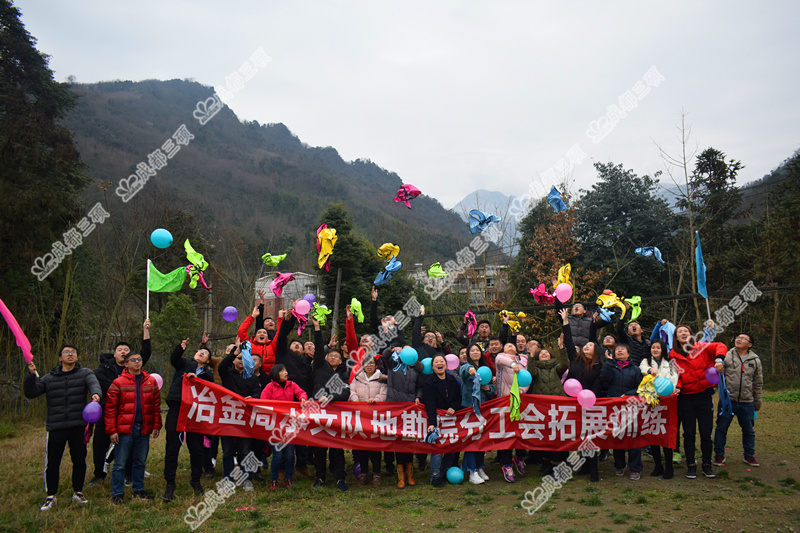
x=247 y=486
x=78 y=497
x=483 y=474
x=475 y=479
x=146 y=474
x=48 y=504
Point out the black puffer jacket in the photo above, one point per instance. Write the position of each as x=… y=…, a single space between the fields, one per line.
x=618 y=381
x=581 y=326
x=234 y=381
x=184 y=365
x=109 y=370
x=67 y=395
x=403 y=387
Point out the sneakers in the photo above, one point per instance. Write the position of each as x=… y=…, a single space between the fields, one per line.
x=636 y=476
x=128 y=482
x=691 y=471
x=118 y=500
x=273 y=484
x=619 y=472
x=668 y=472
x=319 y=483
x=142 y=495
x=95 y=480
x=676 y=458
x=752 y=461
x=48 y=504
x=707 y=471
x=508 y=473
x=247 y=486
x=288 y=483
x=341 y=485
x=475 y=479
x=78 y=497
x=376 y=480
x=210 y=473
x=146 y=474
x=169 y=493
x=357 y=471
x=258 y=477
x=719 y=460
x=657 y=471
x=604 y=454
x=483 y=474
x=519 y=464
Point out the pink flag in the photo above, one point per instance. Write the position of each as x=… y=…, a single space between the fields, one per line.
x=22 y=341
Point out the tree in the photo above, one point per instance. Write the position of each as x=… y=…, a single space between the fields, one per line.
x=42 y=172
x=178 y=320
x=622 y=212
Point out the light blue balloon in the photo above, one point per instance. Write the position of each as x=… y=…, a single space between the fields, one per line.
x=524 y=378
x=486 y=375
x=455 y=475
x=755 y=415
x=161 y=238
x=663 y=386
x=427 y=365
x=408 y=355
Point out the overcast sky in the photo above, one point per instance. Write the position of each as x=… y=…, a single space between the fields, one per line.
x=462 y=95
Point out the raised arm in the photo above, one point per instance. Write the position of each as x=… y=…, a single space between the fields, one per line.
x=147 y=348
x=373 y=312
x=569 y=343
x=176 y=357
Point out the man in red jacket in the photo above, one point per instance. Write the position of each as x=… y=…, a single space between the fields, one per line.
x=133 y=412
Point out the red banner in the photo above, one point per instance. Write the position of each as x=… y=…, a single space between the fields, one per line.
x=556 y=423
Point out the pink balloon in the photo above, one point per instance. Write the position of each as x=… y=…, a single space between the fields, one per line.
x=452 y=361
x=159 y=380
x=563 y=292
x=572 y=387
x=586 y=398
x=302 y=307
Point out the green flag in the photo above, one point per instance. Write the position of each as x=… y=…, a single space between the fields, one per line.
x=170 y=282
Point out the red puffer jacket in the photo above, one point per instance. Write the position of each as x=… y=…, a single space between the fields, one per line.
x=266 y=350
x=121 y=404
x=290 y=392
x=692 y=366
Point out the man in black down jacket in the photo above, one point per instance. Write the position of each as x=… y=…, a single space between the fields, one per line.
x=579 y=325
x=66 y=387
x=111 y=366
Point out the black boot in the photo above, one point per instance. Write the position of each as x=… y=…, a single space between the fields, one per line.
x=668 y=473
x=659 y=467
x=169 y=493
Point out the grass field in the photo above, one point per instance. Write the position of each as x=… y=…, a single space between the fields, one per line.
x=741 y=498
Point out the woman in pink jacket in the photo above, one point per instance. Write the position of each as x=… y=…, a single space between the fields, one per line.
x=281 y=389
x=508 y=364
x=368 y=387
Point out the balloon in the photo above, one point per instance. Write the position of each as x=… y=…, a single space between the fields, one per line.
x=486 y=375
x=310 y=298
x=663 y=386
x=563 y=292
x=159 y=380
x=427 y=365
x=92 y=412
x=587 y=398
x=454 y=474
x=408 y=355
x=524 y=378
x=452 y=361
x=161 y=238
x=230 y=313
x=572 y=387
x=302 y=307
x=712 y=376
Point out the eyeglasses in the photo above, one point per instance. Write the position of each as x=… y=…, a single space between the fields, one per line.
x=69 y=352
x=744 y=338
x=135 y=360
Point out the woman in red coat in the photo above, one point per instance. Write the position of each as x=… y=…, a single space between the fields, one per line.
x=695 y=400
x=281 y=389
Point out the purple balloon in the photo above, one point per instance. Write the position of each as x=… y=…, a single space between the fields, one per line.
x=230 y=313
x=310 y=298
x=92 y=412
x=712 y=376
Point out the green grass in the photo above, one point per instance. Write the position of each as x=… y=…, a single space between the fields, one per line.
x=785 y=396
x=593 y=500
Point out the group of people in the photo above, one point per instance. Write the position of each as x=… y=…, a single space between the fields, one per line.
x=291 y=370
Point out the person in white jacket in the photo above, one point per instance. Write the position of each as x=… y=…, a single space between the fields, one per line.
x=368 y=387
x=658 y=364
x=508 y=364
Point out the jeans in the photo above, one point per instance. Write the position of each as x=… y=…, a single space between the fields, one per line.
x=100 y=444
x=745 y=414
x=440 y=464
x=283 y=458
x=634 y=459
x=473 y=461
x=133 y=445
x=238 y=447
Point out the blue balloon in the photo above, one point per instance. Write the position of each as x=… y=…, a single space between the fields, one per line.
x=408 y=355
x=524 y=378
x=455 y=475
x=486 y=375
x=755 y=415
x=161 y=238
x=663 y=386
x=427 y=365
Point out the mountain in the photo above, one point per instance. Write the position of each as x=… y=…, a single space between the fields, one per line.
x=492 y=202
x=257 y=180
